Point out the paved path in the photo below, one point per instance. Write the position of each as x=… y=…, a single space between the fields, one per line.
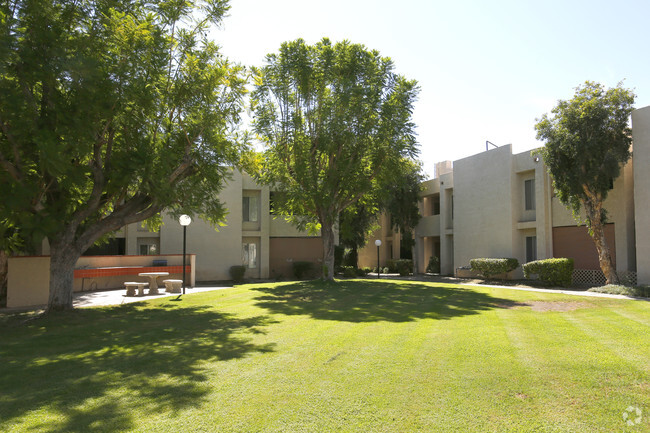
x=118 y=296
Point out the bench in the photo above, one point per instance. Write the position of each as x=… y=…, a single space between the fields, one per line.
x=173 y=286
x=132 y=285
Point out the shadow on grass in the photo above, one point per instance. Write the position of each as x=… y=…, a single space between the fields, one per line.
x=97 y=370
x=366 y=300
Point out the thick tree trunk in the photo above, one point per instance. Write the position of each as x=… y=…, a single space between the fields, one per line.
x=598 y=235
x=63 y=257
x=327 y=234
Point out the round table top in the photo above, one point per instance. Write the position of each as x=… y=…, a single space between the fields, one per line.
x=153 y=274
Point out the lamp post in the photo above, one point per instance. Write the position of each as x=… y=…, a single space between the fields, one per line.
x=378 y=243
x=185 y=221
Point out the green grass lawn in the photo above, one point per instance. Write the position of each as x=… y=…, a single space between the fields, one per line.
x=358 y=356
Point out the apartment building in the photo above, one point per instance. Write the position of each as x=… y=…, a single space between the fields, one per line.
x=500 y=204
x=251 y=236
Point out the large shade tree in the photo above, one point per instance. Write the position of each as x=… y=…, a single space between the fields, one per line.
x=111 y=111
x=587 y=141
x=336 y=122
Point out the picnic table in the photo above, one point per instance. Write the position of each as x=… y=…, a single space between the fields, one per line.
x=153 y=276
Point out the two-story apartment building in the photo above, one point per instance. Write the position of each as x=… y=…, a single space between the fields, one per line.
x=500 y=204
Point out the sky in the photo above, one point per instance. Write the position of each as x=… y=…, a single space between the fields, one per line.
x=486 y=69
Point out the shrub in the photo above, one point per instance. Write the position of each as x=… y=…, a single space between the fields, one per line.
x=491 y=267
x=385 y=270
x=237 y=273
x=301 y=269
x=366 y=270
x=556 y=272
x=639 y=292
x=401 y=266
x=434 y=265
x=349 y=271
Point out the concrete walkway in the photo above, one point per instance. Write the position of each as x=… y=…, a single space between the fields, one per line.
x=118 y=296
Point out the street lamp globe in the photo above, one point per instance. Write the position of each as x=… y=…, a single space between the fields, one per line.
x=185 y=220
x=378 y=242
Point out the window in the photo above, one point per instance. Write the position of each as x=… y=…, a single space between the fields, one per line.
x=148 y=249
x=529 y=194
x=249 y=255
x=531 y=248
x=250 y=209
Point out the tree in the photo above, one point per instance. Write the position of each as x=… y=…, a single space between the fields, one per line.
x=588 y=140
x=402 y=205
x=111 y=111
x=336 y=122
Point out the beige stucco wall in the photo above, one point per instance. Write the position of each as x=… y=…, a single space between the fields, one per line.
x=483 y=211
x=641 y=161
x=28 y=281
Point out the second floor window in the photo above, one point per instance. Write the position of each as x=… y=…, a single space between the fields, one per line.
x=529 y=194
x=250 y=207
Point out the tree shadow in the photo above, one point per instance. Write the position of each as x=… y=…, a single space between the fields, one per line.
x=367 y=301
x=93 y=366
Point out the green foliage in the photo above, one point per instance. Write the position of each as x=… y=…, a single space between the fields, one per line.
x=339 y=252
x=111 y=112
x=488 y=268
x=433 y=267
x=403 y=199
x=302 y=269
x=401 y=266
x=349 y=271
x=237 y=273
x=336 y=122
x=556 y=271
x=615 y=289
x=587 y=140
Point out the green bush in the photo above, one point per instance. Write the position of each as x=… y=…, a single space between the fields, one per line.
x=386 y=270
x=638 y=292
x=366 y=270
x=349 y=271
x=401 y=266
x=301 y=269
x=491 y=267
x=237 y=273
x=434 y=265
x=556 y=272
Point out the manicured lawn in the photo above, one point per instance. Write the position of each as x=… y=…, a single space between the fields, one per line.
x=358 y=356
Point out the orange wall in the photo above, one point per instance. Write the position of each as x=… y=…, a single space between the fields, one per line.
x=574 y=242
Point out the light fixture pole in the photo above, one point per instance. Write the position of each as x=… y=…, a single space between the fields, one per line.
x=185 y=221
x=378 y=243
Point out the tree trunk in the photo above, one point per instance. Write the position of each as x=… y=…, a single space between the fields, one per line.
x=327 y=234
x=597 y=232
x=63 y=257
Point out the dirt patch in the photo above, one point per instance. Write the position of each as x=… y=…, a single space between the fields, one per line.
x=558 y=306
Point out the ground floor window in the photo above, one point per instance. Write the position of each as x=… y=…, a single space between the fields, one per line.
x=249 y=255
x=531 y=248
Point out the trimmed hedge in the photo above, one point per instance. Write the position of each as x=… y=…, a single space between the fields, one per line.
x=237 y=273
x=491 y=267
x=556 y=272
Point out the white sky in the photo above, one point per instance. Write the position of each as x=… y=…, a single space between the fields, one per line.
x=487 y=69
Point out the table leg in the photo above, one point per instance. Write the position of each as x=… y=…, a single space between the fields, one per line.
x=153 y=287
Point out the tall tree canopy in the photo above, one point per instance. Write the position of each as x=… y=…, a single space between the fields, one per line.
x=588 y=140
x=111 y=111
x=336 y=121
